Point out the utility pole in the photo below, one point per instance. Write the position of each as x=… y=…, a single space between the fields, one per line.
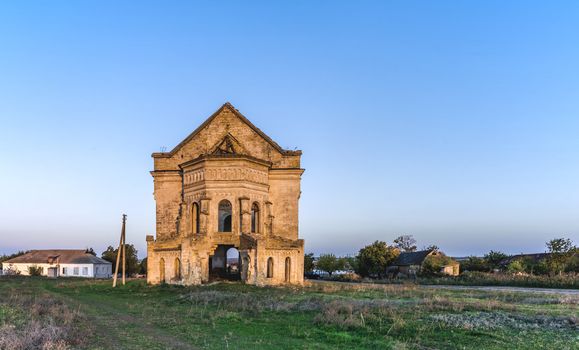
x=123 y=249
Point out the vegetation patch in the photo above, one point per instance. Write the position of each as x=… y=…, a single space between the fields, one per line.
x=30 y=321
x=499 y=320
x=320 y=315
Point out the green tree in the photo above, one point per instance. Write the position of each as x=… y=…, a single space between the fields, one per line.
x=474 y=263
x=495 y=258
x=350 y=263
x=372 y=260
x=405 y=243
x=132 y=264
x=516 y=266
x=561 y=251
x=330 y=263
x=573 y=265
x=432 y=247
x=90 y=251
x=143 y=267
x=11 y=256
x=541 y=268
x=309 y=263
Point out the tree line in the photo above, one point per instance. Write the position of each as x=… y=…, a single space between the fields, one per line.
x=561 y=256
x=373 y=260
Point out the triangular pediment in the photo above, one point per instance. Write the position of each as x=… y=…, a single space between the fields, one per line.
x=228 y=145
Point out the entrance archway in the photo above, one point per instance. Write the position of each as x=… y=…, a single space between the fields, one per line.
x=225 y=263
x=233 y=267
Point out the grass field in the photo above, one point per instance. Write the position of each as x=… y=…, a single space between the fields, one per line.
x=88 y=314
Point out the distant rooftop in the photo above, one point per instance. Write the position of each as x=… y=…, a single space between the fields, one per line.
x=411 y=258
x=62 y=256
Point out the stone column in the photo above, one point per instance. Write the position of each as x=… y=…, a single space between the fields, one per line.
x=268 y=217
x=245 y=207
x=204 y=215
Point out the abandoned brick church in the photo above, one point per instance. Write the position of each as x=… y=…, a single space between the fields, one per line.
x=227 y=187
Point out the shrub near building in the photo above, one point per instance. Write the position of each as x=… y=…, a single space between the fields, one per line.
x=374 y=259
x=436 y=265
x=35 y=270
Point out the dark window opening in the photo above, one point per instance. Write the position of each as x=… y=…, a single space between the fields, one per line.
x=224 y=216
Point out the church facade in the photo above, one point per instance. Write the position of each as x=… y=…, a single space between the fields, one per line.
x=227 y=189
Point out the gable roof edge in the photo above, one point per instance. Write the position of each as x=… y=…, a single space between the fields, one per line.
x=240 y=116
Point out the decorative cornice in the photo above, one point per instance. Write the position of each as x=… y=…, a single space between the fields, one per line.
x=205 y=157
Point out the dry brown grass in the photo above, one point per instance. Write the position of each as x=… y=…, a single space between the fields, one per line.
x=40 y=322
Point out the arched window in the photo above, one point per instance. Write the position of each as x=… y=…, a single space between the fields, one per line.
x=288 y=268
x=270 y=267
x=195 y=218
x=162 y=270
x=224 y=216
x=177 y=269
x=254 y=218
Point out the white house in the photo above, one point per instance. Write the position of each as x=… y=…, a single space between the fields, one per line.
x=60 y=263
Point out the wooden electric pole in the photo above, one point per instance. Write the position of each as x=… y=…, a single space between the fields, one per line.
x=123 y=249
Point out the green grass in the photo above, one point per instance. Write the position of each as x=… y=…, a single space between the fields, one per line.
x=321 y=316
x=564 y=281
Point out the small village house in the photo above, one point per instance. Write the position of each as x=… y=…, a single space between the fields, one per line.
x=59 y=263
x=411 y=263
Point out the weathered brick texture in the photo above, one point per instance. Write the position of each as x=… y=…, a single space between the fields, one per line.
x=226 y=160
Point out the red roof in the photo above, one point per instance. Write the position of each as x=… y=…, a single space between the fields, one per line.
x=61 y=256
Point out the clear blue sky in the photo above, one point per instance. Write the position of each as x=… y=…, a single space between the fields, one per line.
x=454 y=121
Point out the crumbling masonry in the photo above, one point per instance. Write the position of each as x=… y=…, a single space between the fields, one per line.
x=227 y=185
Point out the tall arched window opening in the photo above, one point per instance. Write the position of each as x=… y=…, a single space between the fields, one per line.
x=288 y=268
x=224 y=216
x=195 y=218
x=177 y=272
x=254 y=218
x=270 y=267
x=162 y=270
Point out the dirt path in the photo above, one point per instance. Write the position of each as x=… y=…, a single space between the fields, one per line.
x=106 y=317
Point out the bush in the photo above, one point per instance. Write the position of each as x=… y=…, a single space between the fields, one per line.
x=433 y=264
x=35 y=270
x=566 y=280
x=347 y=277
x=47 y=324
x=474 y=263
x=573 y=264
x=10 y=271
x=515 y=266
